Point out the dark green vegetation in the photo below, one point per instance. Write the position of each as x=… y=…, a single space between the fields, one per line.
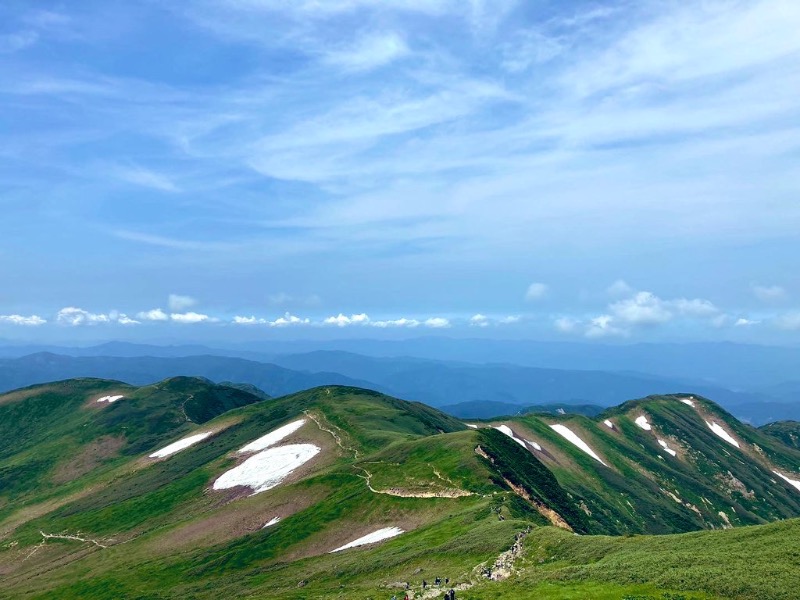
x=85 y=513
x=786 y=431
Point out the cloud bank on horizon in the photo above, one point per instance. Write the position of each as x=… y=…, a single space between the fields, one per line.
x=406 y=165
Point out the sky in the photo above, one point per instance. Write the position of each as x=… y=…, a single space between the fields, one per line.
x=606 y=171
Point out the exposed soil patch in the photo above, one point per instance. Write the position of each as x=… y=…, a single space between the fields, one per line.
x=89 y=458
x=236 y=520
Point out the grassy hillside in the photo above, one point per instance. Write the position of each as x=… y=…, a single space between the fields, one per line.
x=91 y=507
x=787 y=432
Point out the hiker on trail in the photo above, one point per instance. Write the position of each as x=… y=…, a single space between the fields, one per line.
x=452 y=594
x=406 y=598
x=424 y=584
x=438 y=581
x=447 y=581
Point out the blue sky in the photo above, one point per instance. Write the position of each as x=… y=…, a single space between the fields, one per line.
x=249 y=168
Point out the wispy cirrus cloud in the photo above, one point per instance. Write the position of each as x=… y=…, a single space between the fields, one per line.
x=369 y=52
x=448 y=136
x=145 y=177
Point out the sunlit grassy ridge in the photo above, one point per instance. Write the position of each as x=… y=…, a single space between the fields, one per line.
x=135 y=527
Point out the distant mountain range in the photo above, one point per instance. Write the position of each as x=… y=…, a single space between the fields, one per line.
x=466 y=389
x=729 y=365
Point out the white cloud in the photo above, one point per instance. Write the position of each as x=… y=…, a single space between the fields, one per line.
x=509 y=320
x=619 y=288
x=770 y=293
x=566 y=324
x=77 y=316
x=604 y=326
x=249 y=321
x=644 y=308
x=536 y=291
x=153 y=315
x=696 y=307
x=124 y=319
x=287 y=320
x=343 y=320
x=189 y=317
x=178 y=303
x=479 y=320
x=402 y=322
x=742 y=322
x=437 y=323
x=31 y=321
x=370 y=52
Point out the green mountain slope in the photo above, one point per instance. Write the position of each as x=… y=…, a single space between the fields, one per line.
x=97 y=501
x=699 y=480
x=787 y=432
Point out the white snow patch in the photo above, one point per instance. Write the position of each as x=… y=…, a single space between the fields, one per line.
x=534 y=445
x=642 y=422
x=688 y=401
x=273 y=437
x=507 y=430
x=608 y=424
x=567 y=433
x=268 y=468
x=793 y=482
x=471 y=426
x=666 y=447
x=271 y=522
x=375 y=536
x=717 y=428
x=180 y=445
x=110 y=399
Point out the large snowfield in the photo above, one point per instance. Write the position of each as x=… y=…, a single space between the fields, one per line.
x=267 y=469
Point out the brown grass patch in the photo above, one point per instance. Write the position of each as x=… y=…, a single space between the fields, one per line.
x=89 y=458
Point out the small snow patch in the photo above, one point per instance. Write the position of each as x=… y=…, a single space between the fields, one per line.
x=793 y=482
x=180 y=445
x=110 y=399
x=717 y=428
x=608 y=424
x=375 y=536
x=642 y=422
x=471 y=426
x=688 y=401
x=666 y=447
x=507 y=430
x=273 y=437
x=271 y=522
x=268 y=468
x=568 y=434
x=534 y=445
